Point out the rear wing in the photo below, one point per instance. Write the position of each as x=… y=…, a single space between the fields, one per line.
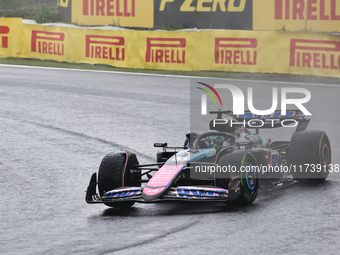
x=274 y=120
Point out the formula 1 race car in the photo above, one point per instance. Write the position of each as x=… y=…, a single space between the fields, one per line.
x=225 y=164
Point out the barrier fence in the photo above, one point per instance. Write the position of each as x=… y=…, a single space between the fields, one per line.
x=297 y=15
x=292 y=15
x=219 y=50
x=126 y=13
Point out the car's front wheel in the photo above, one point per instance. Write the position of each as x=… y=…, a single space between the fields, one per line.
x=114 y=172
x=241 y=166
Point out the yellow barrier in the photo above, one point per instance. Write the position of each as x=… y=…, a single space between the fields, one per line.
x=297 y=15
x=10 y=37
x=127 y=13
x=228 y=50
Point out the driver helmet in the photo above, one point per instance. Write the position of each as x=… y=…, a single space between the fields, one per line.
x=212 y=141
x=240 y=130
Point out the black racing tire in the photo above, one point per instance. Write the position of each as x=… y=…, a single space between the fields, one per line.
x=250 y=183
x=309 y=147
x=110 y=175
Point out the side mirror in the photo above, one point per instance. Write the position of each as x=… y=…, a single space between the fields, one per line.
x=161 y=145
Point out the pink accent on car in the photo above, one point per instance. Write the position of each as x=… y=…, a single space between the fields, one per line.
x=125 y=189
x=201 y=188
x=161 y=179
x=151 y=192
x=164 y=175
x=323 y=154
x=124 y=166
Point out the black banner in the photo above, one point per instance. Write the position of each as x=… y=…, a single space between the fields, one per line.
x=219 y=14
x=65 y=10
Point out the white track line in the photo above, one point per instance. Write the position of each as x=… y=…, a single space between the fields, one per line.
x=172 y=76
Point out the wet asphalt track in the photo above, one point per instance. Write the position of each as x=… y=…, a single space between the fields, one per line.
x=55 y=127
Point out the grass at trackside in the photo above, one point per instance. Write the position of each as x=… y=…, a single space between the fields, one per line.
x=216 y=74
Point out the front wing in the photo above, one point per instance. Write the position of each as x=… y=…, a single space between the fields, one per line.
x=134 y=194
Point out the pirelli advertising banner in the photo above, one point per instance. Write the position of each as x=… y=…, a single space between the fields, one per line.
x=221 y=14
x=297 y=15
x=285 y=15
x=126 y=13
x=218 y=50
x=47 y=43
x=224 y=14
x=10 y=37
x=277 y=52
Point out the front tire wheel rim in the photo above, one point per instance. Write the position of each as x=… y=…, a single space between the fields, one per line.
x=251 y=177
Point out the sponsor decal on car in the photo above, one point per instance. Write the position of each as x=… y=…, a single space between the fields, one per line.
x=122 y=193
x=275 y=159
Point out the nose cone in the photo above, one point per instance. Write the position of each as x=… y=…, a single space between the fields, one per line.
x=150 y=194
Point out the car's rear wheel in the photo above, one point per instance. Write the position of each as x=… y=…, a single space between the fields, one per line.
x=115 y=171
x=243 y=168
x=309 y=155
